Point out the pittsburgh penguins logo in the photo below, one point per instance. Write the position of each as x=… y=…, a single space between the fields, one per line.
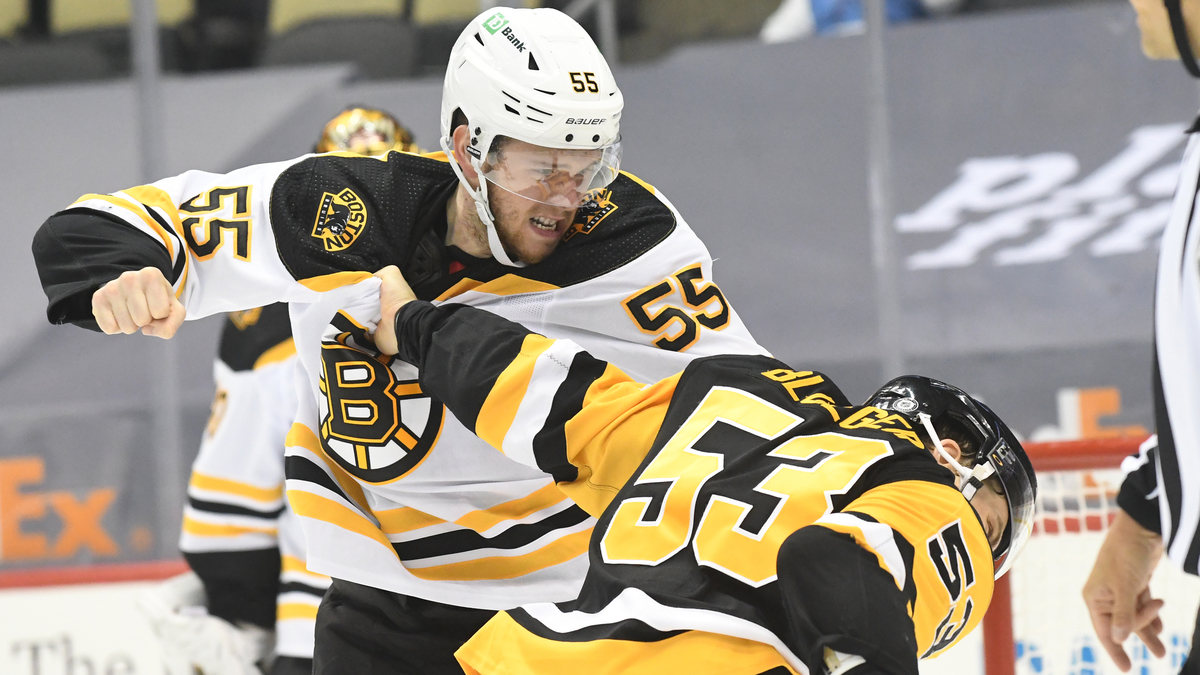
x=375 y=420
x=591 y=212
x=340 y=219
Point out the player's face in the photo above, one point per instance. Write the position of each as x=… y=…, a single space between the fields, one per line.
x=989 y=501
x=535 y=196
x=992 y=506
x=1157 y=39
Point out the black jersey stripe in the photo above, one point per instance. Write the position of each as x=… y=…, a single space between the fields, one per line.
x=230 y=509
x=304 y=469
x=550 y=443
x=298 y=587
x=631 y=630
x=1168 y=462
x=181 y=257
x=462 y=541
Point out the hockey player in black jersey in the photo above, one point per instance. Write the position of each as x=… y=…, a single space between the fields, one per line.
x=751 y=519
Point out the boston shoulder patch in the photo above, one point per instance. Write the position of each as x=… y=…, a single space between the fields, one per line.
x=589 y=215
x=341 y=218
x=376 y=422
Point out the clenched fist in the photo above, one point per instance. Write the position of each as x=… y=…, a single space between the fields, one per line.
x=394 y=293
x=141 y=300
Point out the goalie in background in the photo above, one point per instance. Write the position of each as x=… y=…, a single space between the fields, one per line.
x=249 y=600
x=751 y=520
x=1160 y=497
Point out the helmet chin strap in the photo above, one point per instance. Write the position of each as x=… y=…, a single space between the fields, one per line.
x=482 y=208
x=972 y=479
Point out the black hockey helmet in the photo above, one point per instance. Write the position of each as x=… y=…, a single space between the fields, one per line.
x=927 y=403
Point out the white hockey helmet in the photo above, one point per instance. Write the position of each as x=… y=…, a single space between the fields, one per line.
x=536 y=76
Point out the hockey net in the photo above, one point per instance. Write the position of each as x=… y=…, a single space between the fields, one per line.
x=1038 y=623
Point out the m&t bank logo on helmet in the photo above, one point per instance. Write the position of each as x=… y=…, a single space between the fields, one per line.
x=341 y=218
x=495 y=22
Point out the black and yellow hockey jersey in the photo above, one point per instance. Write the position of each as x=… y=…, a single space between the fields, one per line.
x=393 y=492
x=749 y=517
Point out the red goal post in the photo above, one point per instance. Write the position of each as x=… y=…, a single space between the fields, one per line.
x=1062 y=456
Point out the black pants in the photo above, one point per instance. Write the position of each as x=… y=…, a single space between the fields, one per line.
x=367 y=631
x=290 y=665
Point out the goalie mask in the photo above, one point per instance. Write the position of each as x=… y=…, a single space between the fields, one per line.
x=532 y=76
x=929 y=403
x=365 y=131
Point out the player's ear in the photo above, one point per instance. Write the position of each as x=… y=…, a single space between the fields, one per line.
x=461 y=137
x=952 y=448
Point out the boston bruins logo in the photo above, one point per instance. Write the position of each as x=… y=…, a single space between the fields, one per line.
x=591 y=212
x=375 y=420
x=341 y=218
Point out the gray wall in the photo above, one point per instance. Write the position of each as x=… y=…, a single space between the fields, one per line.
x=763 y=149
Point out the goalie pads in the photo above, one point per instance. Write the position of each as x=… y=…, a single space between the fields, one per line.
x=194 y=643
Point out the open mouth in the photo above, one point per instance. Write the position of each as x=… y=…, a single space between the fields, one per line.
x=544 y=223
x=547 y=225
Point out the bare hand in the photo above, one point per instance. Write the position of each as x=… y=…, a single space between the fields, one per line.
x=394 y=293
x=141 y=300
x=1117 y=592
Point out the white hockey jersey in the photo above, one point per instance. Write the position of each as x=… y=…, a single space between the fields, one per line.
x=392 y=490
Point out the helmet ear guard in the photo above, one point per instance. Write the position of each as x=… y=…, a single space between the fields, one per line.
x=999 y=454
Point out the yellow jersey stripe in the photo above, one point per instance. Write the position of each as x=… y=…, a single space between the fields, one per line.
x=280 y=352
x=500 y=407
x=232 y=487
x=509 y=284
x=202 y=529
x=504 y=646
x=152 y=196
x=407 y=519
x=328 y=282
x=500 y=567
x=639 y=181
x=309 y=505
x=295 y=610
x=129 y=206
x=290 y=563
x=303 y=437
x=484 y=520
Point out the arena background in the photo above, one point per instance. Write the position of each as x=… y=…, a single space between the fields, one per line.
x=1033 y=152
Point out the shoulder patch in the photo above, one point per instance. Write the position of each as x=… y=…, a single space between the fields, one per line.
x=250 y=334
x=334 y=214
x=340 y=219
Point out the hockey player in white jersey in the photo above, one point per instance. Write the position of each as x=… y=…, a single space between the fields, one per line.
x=425 y=529
x=245 y=547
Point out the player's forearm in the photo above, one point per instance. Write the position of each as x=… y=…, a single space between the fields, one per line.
x=544 y=403
x=78 y=251
x=835 y=595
